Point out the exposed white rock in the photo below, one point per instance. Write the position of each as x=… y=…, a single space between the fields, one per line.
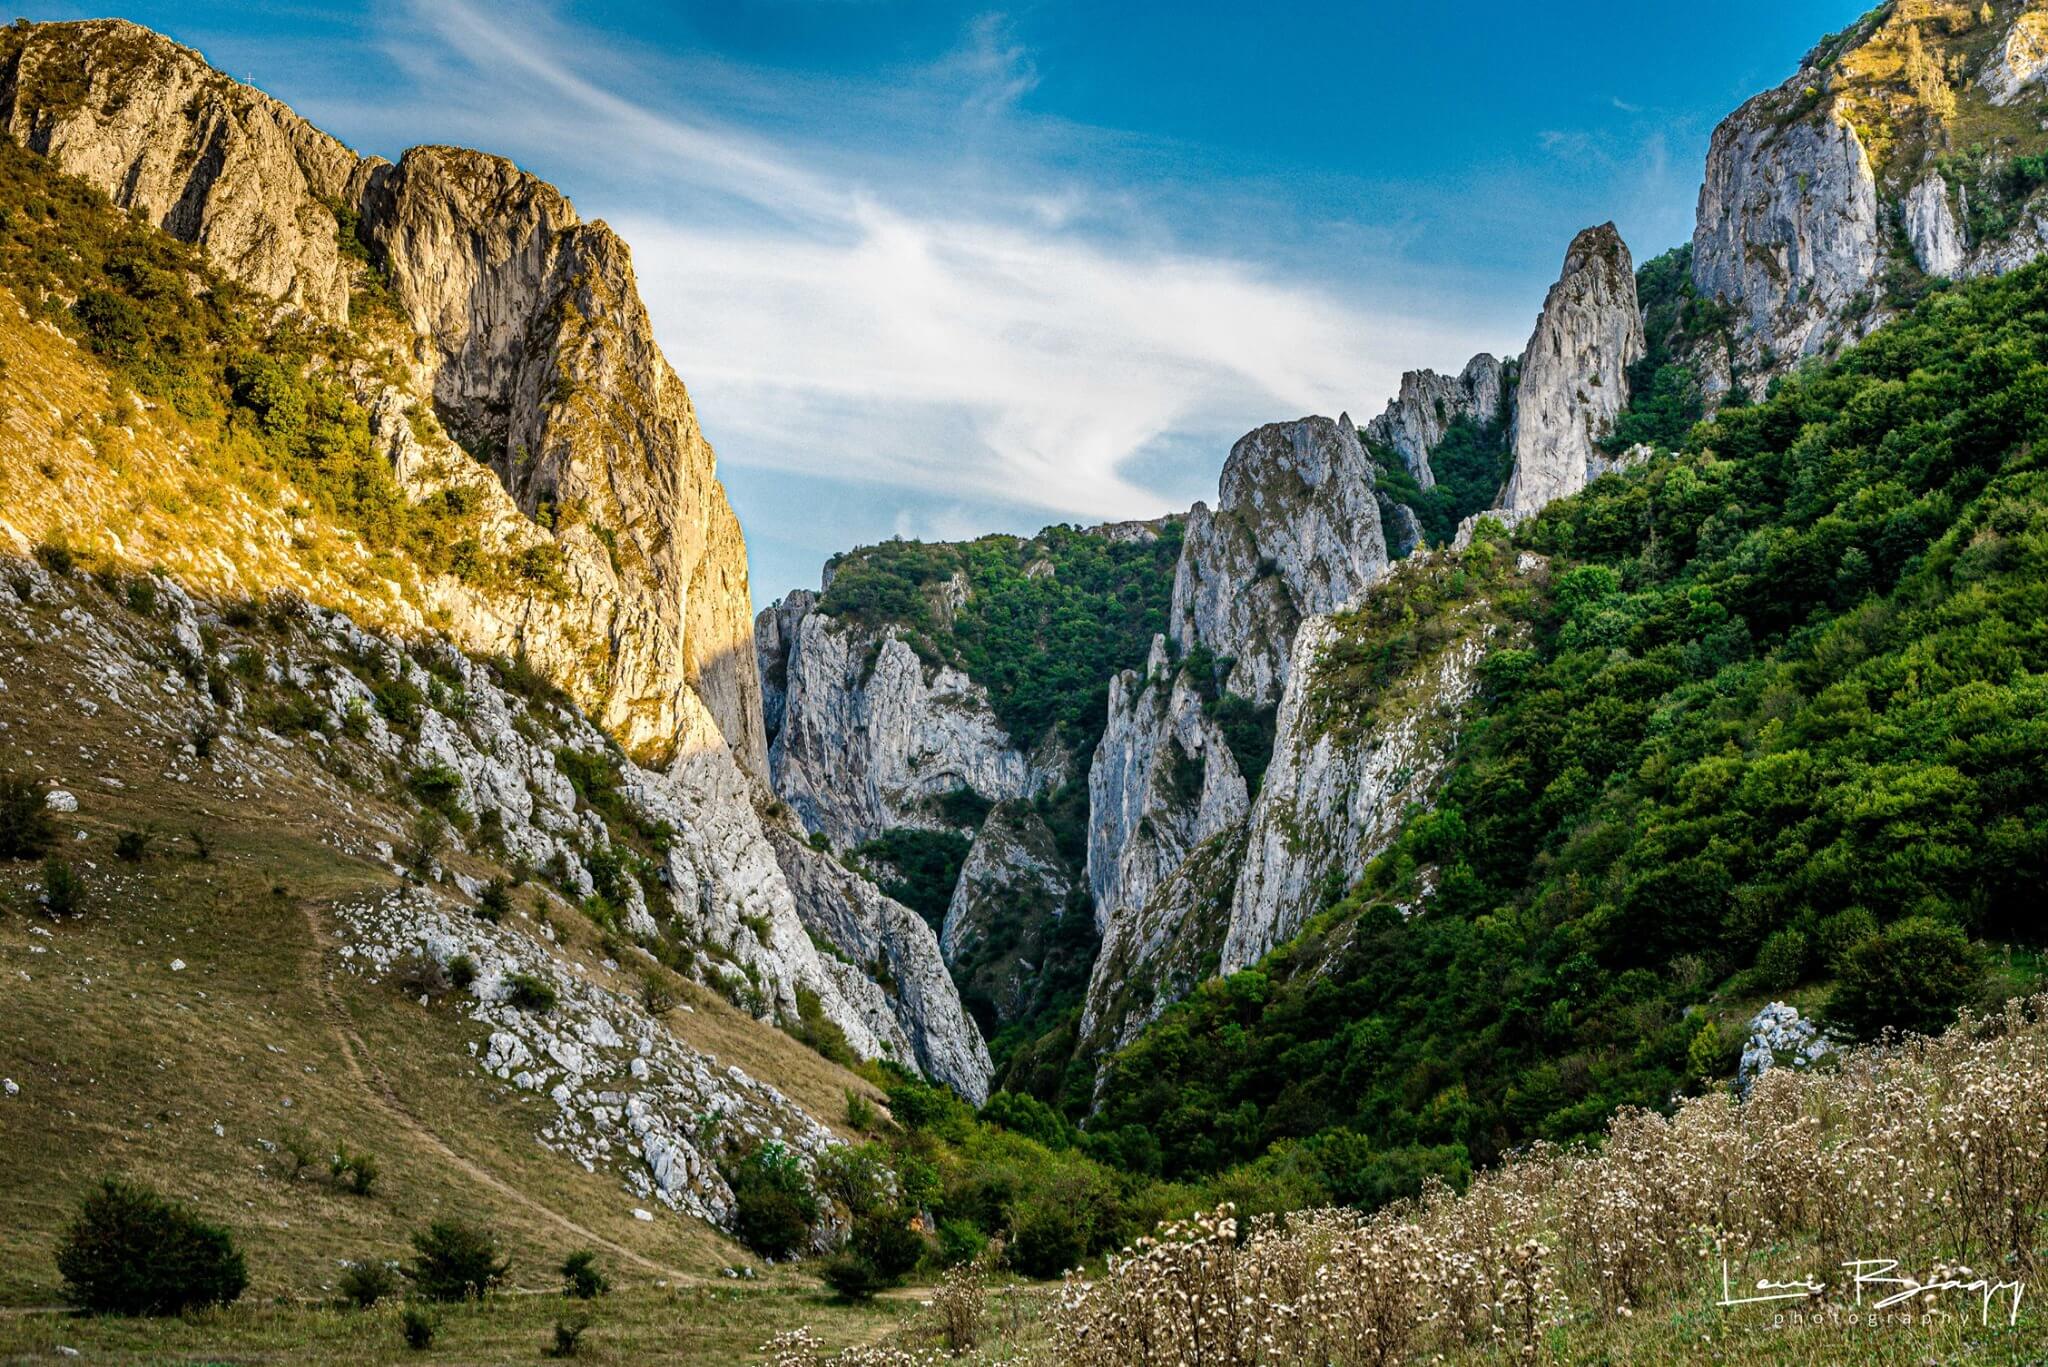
x=918 y=1016
x=1574 y=376
x=1788 y=226
x=1296 y=531
x=2021 y=61
x=58 y=800
x=646 y=1111
x=1416 y=418
x=1778 y=1033
x=1931 y=228
x=1154 y=954
x=1163 y=781
x=1330 y=802
x=871 y=733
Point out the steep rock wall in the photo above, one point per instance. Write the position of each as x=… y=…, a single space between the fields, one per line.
x=1574 y=377
x=870 y=733
x=1296 y=531
x=531 y=339
x=918 y=1016
x=1163 y=781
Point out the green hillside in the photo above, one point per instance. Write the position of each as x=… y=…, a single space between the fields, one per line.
x=1777 y=733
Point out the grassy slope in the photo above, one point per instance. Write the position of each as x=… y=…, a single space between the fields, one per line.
x=126 y=1065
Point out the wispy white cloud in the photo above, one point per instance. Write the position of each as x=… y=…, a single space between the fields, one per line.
x=989 y=329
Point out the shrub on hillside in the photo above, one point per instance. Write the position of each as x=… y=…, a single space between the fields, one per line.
x=1912 y=976
x=63 y=889
x=582 y=1277
x=455 y=1261
x=494 y=903
x=1047 y=1238
x=25 y=827
x=369 y=1281
x=353 y=1171
x=418 y=1327
x=132 y=1252
x=775 y=1205
x=419 y=974
x=529 y=993
x=132 y=846
x=568 y=1340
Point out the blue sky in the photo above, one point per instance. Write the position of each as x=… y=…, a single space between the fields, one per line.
x=936 y=270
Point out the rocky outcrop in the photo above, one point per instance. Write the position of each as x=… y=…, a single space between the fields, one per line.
x=1333 y=797
x=886 y=962
x=774 y=638
x=1157 y=953
x=1574 y=377
x=1931 y=228
x=1013 y=893
x=1805 y=182
x=870 y=733
x=1415 y=421
x=203 y=157
x=622 y=1093
x=528 y=334
x=1788 y=226
x=2019 y=66
x=1296 y=531
x=1401 y=527
x=1163 y=781
x=535 y=333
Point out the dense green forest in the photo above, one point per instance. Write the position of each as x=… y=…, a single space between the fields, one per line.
x=1778 y=726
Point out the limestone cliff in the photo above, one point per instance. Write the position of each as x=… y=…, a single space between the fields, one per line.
x=870 y=734
x=528 y=335
x=1574 y=376
x=1414 y=422
x=1295 y=531
x=503 y=362
x=205 y=158
x=1163 y=781
x=886 y=961
x=1888 y=158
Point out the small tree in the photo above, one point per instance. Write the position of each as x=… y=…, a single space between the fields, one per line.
x=63 y=889
x=25 y=828
x=1047 y=1239
x=494 y=903
x=581 y=1276
x=456 y=1261
x=774 y=1200
x=357 y=1172
x=529 y=993
x=132 y=846
x=418 y=1327
x=427 y=835
x=132 y=1252
x=568 y=1336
